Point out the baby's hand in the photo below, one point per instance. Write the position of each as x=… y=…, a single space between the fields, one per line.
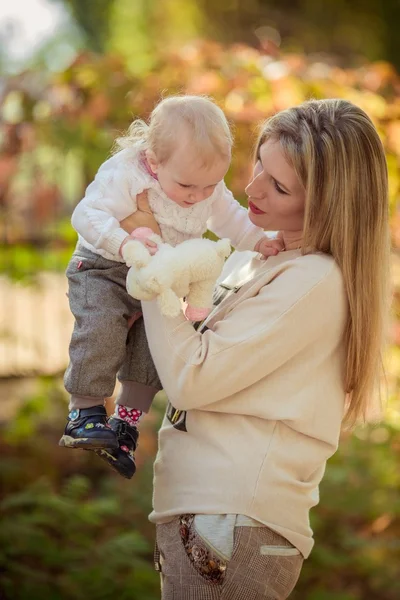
x=134 y=253
x=141 y=234
x=131 y=253
x=269 y=247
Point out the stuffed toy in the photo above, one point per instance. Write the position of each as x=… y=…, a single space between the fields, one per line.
x=188 y=271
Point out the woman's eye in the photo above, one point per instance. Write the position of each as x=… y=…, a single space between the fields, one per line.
x=278 y=188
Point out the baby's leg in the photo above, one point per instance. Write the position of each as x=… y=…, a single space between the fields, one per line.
x=101 y=307
x=138 y=376
x=139 y=385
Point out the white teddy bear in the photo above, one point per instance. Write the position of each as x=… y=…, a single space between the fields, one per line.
x=188 y=271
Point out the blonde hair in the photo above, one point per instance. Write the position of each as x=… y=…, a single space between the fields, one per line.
x=337 y=155
x=205 y=122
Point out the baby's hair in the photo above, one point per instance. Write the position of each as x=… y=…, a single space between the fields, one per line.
x=199 y=116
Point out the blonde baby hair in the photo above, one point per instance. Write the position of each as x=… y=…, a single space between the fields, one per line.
x=197 y=116
x=338 y=156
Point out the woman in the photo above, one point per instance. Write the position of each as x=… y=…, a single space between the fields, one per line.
x=257 y=394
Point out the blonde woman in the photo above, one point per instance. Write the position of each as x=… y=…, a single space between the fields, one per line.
x=258 y=393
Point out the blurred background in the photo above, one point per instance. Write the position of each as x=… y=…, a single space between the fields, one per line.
x=73 y=73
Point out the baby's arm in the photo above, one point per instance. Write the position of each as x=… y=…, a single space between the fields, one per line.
x=230 y=219
x=107 y=201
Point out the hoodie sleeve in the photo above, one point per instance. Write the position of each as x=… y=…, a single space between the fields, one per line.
x=258 y=336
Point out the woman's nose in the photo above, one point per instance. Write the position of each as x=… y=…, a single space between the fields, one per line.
x=253 y=188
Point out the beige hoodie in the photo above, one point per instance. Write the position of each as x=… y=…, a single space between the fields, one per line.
x=263 y=391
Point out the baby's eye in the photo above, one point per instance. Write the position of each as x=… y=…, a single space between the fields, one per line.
x=184 y=185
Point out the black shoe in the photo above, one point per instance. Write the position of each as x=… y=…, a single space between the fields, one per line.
x=122 y=459
x=88 y=428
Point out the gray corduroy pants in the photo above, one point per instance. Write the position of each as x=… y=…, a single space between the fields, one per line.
x=102 y=345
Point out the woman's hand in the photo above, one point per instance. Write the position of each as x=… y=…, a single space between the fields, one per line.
x=142 y=217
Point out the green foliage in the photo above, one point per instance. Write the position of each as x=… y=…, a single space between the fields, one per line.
x=65 y=536
x=71 y=545
x=351 y=31
x=71 y=529
x=357 y=523
x=23 y=262
x=93 y=19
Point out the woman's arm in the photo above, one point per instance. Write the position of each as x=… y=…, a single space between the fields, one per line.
x=142 y=217
x=258 y=336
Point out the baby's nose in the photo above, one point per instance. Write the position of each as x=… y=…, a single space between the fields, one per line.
x=198 y=196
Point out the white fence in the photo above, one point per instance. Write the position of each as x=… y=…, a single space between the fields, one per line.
x=35 y=326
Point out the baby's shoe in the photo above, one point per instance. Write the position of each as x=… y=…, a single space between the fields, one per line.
x=88 y=428
x=122 y=459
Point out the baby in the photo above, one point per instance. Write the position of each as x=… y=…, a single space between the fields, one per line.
x=180 y=158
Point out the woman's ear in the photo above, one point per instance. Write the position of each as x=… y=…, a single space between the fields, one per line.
x=152 y=160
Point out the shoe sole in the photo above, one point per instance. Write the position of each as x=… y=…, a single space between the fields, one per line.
x=87 y=443
x=112 y=462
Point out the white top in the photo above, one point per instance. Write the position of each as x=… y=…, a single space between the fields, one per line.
x=263 y=388
x=111 y=197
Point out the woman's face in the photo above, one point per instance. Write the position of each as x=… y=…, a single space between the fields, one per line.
x=276 y=196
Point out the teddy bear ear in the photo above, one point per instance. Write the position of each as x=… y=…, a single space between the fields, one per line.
x=223 y=248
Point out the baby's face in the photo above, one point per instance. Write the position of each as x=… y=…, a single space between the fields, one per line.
x=184 y=179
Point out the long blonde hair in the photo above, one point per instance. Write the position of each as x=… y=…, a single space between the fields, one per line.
x=198 y=116
x=337 y=155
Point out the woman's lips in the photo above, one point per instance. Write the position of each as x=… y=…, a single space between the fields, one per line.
x=254 y=209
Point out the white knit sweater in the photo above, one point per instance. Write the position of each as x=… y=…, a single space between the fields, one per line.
x=111 y=197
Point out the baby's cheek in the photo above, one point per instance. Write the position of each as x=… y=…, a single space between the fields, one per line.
x=168 y=189
x=176 y=195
